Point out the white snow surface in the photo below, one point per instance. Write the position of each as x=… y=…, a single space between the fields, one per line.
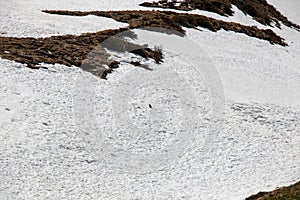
x=48 y=152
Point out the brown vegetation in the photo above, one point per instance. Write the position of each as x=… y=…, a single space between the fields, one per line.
x=260 y=10
x=175 y=21
x=70 y=50
x=222 y=7
x=285 y=193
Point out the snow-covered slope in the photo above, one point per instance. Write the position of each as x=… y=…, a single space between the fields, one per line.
x=66 y=134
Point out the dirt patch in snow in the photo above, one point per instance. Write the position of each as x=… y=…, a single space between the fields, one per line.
x=175 y=21
x=71 y=50
x=260 y=10
x=291 y=192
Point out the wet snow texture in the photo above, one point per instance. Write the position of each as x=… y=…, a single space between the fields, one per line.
x=44 y=156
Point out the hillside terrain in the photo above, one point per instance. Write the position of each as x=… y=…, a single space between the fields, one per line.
x=140 y=99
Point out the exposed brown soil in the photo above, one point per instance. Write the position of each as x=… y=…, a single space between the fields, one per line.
x=70 y=50
x=260 y=10
x=222 y=7
x=286 y=193
x=175 y=21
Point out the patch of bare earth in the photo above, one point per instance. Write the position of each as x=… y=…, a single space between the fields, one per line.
x=175 y=21
x=71 y=50
x=285 y=193
x=260 y=10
